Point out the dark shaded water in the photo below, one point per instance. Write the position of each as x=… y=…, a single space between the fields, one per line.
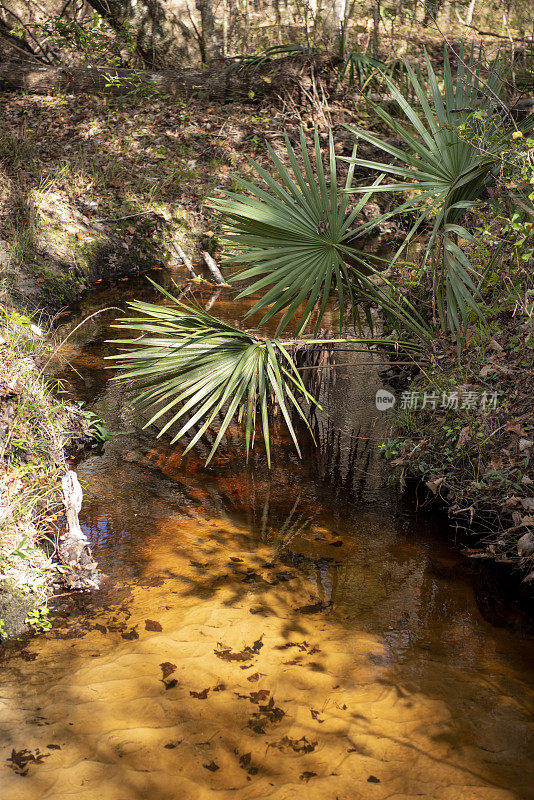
x=292 y=633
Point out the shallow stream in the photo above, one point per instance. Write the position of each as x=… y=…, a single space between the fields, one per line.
x=299 y=633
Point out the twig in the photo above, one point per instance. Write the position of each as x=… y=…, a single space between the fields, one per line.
x=62 y=342
x=522 y=39
x=215 y=296
x=128 y=216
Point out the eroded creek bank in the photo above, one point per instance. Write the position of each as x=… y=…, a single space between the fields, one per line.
x=288 y=634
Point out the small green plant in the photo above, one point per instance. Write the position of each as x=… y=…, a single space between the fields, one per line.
x=392 y=447
x=96 y=424
x=24 y=549
x=253 y=63
x=39 y=619
x=134 y=85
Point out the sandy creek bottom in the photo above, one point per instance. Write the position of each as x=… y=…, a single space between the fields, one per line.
x=292 y=634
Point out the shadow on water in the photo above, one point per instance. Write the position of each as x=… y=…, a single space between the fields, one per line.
x=284 y=633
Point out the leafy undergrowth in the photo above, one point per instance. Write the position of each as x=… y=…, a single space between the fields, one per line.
x=465 y=426
x=35 y=429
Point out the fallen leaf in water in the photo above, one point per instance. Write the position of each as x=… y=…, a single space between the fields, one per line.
x=236 y=560
x=219 y=688
x=199 y=564
x=54 y=746
x=167 y=669
x=243 y=655
x=171 y=684
x=200 y=695
x=250 y=577
x=372 y=779
x=257 y=723
x=274 y=713
x=172 y=745
x=244 y=762
x=254 y=677
x=27 y=656
x=131 y=634
x=307 y=775
x=152 y=625
x=101 y=628
x=259 y=696
x=302 y=745
x=212 y=766
x=314 y=608
x=20 y=759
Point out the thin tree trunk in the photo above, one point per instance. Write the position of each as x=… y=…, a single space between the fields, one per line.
x=470 y=12
x=376 y=26
x=278 y=18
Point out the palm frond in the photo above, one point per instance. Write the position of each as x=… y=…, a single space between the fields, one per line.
x=297 y=239
x=194 y=369
x=447 y=172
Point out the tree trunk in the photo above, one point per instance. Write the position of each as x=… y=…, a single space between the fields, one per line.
x=285 y=75
x=162 y=38
x=210 y=49
x=470 y=12
x=376 y=26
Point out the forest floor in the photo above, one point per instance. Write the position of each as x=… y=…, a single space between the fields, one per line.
x=92 y=188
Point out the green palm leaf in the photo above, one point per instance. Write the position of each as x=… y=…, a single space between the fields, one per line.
x=294 y=241
x=194 y=369
x=447 y=172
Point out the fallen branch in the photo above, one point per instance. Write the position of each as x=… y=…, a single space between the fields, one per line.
x=213 y=268
x=187 y=261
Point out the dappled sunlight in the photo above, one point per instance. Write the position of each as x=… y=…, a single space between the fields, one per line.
x=209 y=681
x=283 y=633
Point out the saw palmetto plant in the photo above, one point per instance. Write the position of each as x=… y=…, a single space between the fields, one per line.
x=446 y=172
x=293 y=237
x=297 y=235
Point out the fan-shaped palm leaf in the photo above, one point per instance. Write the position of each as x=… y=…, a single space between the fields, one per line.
x=297 y=239
x=448 y=173
x=192 y=367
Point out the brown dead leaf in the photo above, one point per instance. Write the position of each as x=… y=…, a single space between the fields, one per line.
x=167 y=669
x=260 y=696
x=152 y=625
x=200 y=695
x=463 y=436
x=512 y=426
x=510 y=502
